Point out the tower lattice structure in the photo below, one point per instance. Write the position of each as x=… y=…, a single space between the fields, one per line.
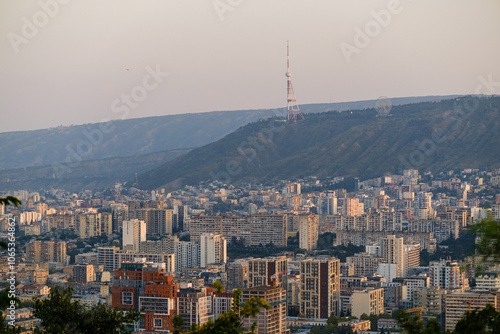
x=291 y=102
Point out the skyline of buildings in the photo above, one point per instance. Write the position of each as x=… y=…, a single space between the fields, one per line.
x=395 y=220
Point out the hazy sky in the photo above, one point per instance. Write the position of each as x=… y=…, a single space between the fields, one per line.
x=76 y=62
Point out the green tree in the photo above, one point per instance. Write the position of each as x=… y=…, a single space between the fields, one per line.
x=432 y=327
x=177 y=324
x=489 y=245
x=59 y=314
x=231 y=322
x=218 y=287
x=10 y=200
x=482 y=321
x=411 y=324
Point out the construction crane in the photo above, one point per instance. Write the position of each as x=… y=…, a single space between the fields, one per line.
x=475 y=303
x=417 y=310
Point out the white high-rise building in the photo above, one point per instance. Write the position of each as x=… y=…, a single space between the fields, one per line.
x=446 y=275
x=388 y=271
x=392 y=252
x=411 y=257
x=487 y=282
x=213 y=249
x=308 y=232
x=134 y=232
x=327 y=205
x=187 y=255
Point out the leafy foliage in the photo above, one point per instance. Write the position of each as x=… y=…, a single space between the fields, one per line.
x=482 y=321
x=341 y=252
x=231 y=322
x=59 y=314
x=489 y=245
x=10 y=200
x=411 y=324
x=177 y=324
x=218 y=287
x=332 y=326
x=374 y=319
x=325 y=240
x=455 y=249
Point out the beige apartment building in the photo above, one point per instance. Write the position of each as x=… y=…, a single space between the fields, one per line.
x=368 y=301
x=456 y=304
x=273 y=320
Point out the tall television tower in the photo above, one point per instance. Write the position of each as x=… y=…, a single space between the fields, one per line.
x=291 y=102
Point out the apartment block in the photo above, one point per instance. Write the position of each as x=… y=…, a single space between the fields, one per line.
x=269 y=271
x=443 y=229
x=272 y=321
x=411 y=257
x=394 y=295
x=146 y=287
x=165 y=245
x=237 y=275
x=88 y=225
x=364 y=264
x=456 y=304
x=112 y=257
x=253 y=229
x=84 y=273
x=158 y=221
x=413 y=283
x=213 y=249
x=487 y=282
x=430 y=299
x=134 y=232
x=39 y=276
x=46 y=251
x=194 y=306
x=308 y=232
x=187 y=255
x=446 y=275
x=368 y=301
x=320 y=287
x=392 y=252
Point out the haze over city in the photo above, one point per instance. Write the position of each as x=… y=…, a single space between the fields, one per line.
x=71 y=67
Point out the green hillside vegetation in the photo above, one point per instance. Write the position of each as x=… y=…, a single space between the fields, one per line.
x=139 y=136
x=92 y=175
x=431 y=136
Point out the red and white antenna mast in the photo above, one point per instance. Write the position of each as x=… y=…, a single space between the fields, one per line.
x=291 y=102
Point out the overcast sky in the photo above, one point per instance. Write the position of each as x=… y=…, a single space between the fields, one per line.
x=78 y=63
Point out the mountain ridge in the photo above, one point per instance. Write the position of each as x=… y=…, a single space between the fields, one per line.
x=137 y=136
x=357 y=143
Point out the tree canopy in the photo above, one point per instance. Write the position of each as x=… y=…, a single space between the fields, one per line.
x=489 y=244
x=232 y=321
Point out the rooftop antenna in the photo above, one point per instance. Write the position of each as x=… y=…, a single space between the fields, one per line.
x=291 y=102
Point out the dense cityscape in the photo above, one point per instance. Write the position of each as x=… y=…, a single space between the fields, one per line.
x=359 y=252
x=249 y=167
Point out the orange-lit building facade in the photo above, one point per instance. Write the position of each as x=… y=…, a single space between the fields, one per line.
x=146 y=287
